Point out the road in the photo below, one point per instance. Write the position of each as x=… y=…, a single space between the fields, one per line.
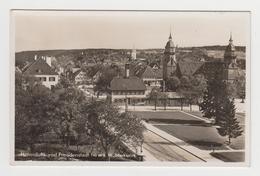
x=163 y=150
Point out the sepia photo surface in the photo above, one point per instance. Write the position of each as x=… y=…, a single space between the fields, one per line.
x=152 y=88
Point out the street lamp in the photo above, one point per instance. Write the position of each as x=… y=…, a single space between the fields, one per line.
x=126 y=100
x=155 y=103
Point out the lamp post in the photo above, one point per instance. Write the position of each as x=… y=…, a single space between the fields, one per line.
x=155 y=103
x=126 y=100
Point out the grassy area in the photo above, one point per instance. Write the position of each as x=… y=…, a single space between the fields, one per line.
x=190 y=129
x=230 y=156
x=202 y=137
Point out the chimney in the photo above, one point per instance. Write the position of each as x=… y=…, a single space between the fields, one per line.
x=127 y=70
x=48 y=60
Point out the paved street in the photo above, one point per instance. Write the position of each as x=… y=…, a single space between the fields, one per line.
x=164 y=150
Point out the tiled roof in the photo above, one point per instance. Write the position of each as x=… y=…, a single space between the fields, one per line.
x=189 y=68
x=159 y=73
x=39 y=67
x=148 y=72
x=131 y=83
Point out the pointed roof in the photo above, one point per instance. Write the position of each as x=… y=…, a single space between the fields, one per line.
x=230 y=39
x=170 y=43
x=170 y=37
x=131 y=83
x=147 y=73
x=230 y=46
x=39 y=67
x=189 y=68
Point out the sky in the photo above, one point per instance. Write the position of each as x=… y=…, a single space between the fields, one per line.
x=41 y=30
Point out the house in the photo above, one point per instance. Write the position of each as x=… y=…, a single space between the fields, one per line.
x=42 y=70
x=127 y=89
x=80 y=77
x=150 y=77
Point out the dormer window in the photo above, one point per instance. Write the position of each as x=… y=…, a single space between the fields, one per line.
x=38 y=70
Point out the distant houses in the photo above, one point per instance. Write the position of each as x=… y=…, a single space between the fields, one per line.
x=80 y=77
x=141 y=75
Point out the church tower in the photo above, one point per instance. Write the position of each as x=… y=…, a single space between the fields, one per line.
x=231 y=69
x=169 y=59
x=230 y=56
x=133 y=54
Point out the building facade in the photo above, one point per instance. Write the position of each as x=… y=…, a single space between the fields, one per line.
x=41 y=69
x=127 y=89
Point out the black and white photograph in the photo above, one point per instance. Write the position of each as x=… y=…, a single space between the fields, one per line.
x=130 y=87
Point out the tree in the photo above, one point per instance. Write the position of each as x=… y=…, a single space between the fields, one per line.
x=232 y=89
x=64 y=82
x=241 y=87
x=156 y=95
x=33 y=104
x=106 y=77
x=228 y=124
x=192 y=88
x=68 y=120
x=173 y=83
x=212 y=105
x=111 y=128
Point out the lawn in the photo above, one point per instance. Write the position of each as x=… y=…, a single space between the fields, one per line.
x=190 y=129
x=230 y=156
x=202 y=137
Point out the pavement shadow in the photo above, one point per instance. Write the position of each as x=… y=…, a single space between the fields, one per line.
x=179 y=121
x=207 y=145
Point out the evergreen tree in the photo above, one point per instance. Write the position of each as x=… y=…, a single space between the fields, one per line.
x=212 y=105
x=228 y=124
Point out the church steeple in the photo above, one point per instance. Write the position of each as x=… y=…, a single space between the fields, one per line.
x=230 y=55
x=133 y=53
x=169 y=59
x=170 y=37
x=230 y=39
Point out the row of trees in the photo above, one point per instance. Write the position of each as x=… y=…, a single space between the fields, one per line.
x=190 y=88
x=66 y=114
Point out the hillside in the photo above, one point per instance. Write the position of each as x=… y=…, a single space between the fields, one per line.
x=119 y=56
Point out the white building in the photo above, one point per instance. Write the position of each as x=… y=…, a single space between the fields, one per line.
x=41 y=69
x=127 y=89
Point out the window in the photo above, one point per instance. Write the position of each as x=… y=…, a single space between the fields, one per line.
x=42 y=78
x=51 y=78
x=38 y=70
